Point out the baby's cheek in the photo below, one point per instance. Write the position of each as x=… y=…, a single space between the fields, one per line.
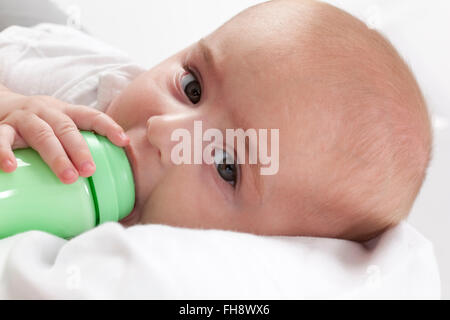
x=170 y=203
x=185 y=197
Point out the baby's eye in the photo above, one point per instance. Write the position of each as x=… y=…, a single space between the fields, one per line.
x=226 y=167
x=191 y=87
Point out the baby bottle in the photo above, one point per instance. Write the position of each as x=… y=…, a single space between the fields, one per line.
x=33 y=198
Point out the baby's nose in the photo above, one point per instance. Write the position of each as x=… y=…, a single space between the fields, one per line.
x=160 y=129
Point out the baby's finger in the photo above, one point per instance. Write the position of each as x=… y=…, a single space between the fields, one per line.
x=7 y=158
x=40 y=136
x=72 y=141
x=90 y=119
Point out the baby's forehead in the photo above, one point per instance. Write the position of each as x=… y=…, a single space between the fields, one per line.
x=260 y=82
x=269 y=30
x=276 y=34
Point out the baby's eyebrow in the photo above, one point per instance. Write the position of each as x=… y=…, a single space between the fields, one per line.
x=207 y=55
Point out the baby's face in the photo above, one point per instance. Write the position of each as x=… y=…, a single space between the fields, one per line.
x=230 y=79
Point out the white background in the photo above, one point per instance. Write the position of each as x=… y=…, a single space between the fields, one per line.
x=150 y=31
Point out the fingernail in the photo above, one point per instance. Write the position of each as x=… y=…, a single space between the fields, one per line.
x=123 y=136
x=69 y=174
x=7 y=164
x=87 y=166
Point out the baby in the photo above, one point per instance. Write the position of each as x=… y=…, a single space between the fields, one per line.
x=354 y=132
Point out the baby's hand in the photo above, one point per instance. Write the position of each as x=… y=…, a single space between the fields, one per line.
x=51 y=127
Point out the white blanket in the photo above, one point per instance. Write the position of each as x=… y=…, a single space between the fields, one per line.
x=161 y=262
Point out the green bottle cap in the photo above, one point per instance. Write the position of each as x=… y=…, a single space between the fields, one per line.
x=112 y=184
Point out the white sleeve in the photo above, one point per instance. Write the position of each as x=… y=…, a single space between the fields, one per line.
x=162 y=262
x=58 y=60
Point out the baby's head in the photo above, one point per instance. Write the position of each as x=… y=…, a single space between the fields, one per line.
x=354 y=133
